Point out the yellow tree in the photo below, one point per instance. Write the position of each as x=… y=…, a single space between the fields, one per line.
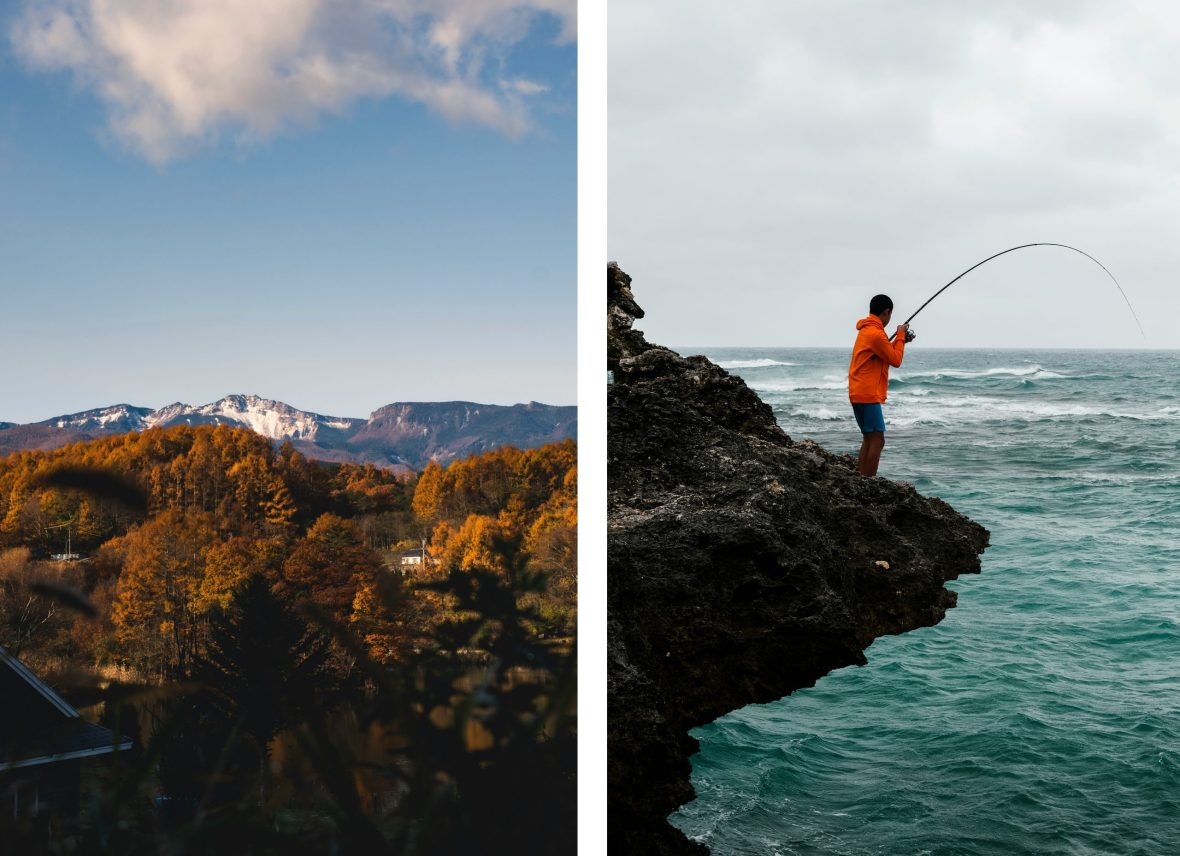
x=477 y=543
x=382 y=615
x=228 y=565
x=278 y=508
x=430 y=493
x=252 y=480
x=155 y=612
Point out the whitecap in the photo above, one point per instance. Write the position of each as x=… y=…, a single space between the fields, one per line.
x=1034 y=371
x=752 y=364
x=979 y=407
x=823 y=414
x=792 y=386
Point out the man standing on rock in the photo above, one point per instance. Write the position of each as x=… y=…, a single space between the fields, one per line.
x=868 y=378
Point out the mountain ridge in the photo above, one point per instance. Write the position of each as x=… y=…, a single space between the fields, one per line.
x=400 y=435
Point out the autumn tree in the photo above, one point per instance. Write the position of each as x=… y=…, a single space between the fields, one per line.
x=330 y=563
x=25 y=614
x=278 y=508
x=492 y=481
x=479 y=542
x=384 y=617
x=506 y=507
x=431 y=493
x=157 y=603
x=229 y=564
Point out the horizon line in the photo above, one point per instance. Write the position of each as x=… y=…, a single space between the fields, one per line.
x=278 y=401
x=926 y=347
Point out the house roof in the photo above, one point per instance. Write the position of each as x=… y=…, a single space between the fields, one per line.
x=37 y=726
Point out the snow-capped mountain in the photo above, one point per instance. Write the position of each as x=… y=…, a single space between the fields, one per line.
x=118 y=419
x=400 y=435
x=267 y=417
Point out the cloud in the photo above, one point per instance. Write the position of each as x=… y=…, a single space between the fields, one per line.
x=802 y=152
x=176 y=75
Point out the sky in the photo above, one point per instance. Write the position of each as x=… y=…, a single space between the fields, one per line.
x=773 y=164
x=337 y=204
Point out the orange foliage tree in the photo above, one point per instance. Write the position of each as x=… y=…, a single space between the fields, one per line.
x=156 y=611
x=330 y=563
x=502 y=511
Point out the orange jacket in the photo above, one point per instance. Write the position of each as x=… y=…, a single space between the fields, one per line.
x=872 y=355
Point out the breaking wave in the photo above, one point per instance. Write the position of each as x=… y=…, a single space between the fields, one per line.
x=823 y=414
x=1034 y=371
x=752 y=364
x=793 y=385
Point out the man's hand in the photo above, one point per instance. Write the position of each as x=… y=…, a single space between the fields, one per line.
x=902 y=329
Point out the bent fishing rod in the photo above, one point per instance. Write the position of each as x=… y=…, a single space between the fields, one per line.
x=1021 y=247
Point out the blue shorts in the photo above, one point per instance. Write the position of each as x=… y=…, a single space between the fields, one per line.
x=870 y=417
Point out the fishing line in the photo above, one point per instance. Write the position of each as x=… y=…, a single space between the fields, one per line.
x=1021 y=247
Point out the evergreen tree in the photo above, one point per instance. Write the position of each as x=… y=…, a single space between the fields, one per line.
x=264 y=669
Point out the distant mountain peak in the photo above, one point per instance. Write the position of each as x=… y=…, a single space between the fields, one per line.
x=266 y=416
x=116 y=419
x=399 y=435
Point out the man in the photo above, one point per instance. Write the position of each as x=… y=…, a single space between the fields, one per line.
x=868 y=378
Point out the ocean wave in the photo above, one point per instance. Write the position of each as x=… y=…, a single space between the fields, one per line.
x=793 y=386
x=941 y=408
x=907 y=407
x=1033 y=371
x=822 y=414
x=752 y=364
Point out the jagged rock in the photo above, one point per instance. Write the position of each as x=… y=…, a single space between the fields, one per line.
x=742 y=566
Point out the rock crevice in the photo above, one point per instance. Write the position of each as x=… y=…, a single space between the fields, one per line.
x=742 y=565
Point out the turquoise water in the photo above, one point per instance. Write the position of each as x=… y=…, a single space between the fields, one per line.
x=1043 y=714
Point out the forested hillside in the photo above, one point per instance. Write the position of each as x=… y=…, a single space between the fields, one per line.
x=208 y=560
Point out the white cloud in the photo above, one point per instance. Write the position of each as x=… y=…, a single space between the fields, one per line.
x=177 y=74
x=525 y=87
x=804 y=151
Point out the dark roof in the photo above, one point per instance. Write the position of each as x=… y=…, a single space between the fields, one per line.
x=37 y=726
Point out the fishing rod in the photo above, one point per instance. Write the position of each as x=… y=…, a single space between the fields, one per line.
x=1021 y=247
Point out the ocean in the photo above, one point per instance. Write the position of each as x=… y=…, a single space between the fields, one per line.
x=1043 y=714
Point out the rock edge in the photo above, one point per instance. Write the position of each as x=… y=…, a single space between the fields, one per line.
x=742 y=566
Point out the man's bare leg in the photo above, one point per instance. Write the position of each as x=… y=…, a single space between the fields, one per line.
x=863 y=458
x=871 y=448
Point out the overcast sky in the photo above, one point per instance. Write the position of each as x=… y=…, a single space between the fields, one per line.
x=775 y=163
x=335 y=204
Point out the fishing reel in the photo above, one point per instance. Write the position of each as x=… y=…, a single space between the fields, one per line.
x=910 y=335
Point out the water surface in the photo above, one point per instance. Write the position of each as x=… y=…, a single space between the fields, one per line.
x=1043 y=714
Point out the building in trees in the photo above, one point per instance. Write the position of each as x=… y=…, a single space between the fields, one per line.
x=43 y=743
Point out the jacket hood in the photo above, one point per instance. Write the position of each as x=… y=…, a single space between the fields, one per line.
x=869 y=321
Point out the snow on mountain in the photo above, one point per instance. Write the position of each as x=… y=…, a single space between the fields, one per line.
x=400 y=435
x=267 y=417
x=118 y=418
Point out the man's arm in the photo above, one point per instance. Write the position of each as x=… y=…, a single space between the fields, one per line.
x=890 y=352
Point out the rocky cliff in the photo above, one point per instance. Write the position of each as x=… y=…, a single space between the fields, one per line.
x=742 y=566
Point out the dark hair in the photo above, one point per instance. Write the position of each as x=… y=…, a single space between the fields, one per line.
x=879 y=304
